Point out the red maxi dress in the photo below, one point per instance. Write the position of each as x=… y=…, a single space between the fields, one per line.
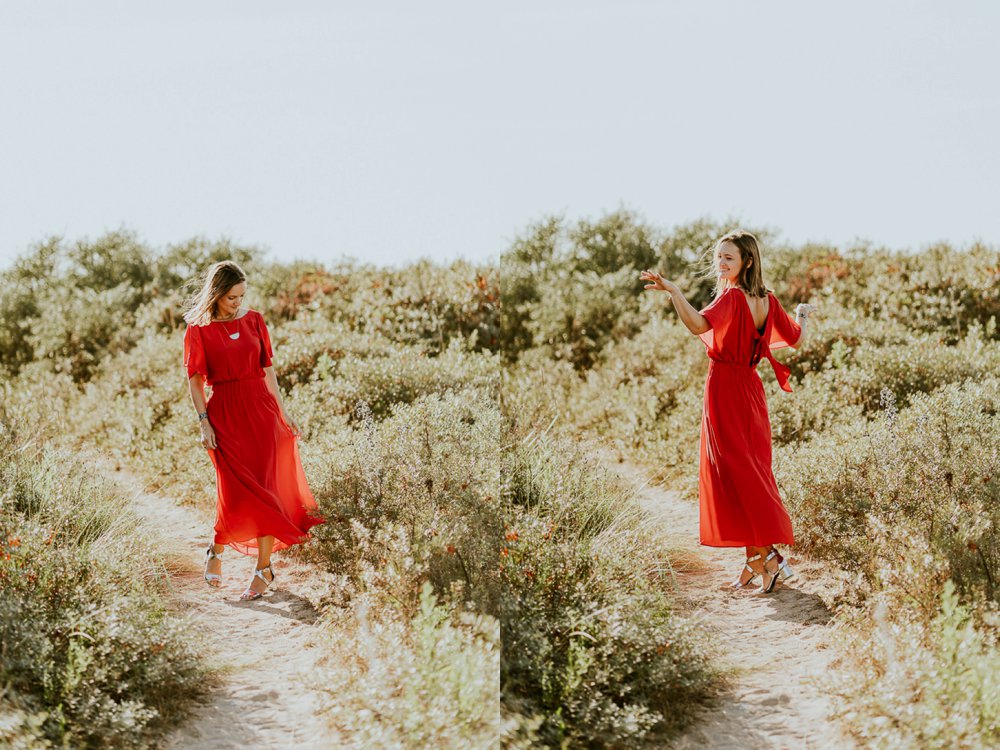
x=260 y=483
x=738 y=496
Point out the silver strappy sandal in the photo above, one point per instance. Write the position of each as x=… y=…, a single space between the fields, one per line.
x=743 y=582
x=212 y=579
x=769 y=578
x=250 y=595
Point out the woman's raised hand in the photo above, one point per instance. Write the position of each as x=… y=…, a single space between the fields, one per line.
x=657 y=282
x=207 y=435
x=803 y=310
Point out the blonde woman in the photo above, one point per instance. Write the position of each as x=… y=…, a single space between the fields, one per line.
x=264 y=503
x=738 y=496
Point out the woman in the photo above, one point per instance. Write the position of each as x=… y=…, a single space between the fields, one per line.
x=738 y=496
x=264 y=502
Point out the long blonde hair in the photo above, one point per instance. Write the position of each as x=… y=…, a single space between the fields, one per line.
x=751 y=278
x=219 y=279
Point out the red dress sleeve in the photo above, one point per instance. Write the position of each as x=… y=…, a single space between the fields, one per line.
x=194 y=353
x=784 y=330
x=265 y=342
x=719 y=314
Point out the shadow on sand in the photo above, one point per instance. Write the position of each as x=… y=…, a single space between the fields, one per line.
x=801 y=607
x=283 y=604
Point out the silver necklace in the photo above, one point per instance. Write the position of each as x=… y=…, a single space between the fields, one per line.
x=233 y=336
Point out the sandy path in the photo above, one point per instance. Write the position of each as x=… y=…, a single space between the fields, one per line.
x=774 y=701
x=262 y=650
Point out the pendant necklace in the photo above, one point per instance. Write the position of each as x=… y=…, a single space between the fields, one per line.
x=233 y=336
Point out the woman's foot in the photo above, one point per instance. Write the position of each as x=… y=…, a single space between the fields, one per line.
x=213 y=567
x=751 y=569
x=775 y=567
x=262 y=578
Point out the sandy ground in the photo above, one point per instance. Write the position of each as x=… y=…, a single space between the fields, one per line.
x=262 y=650
x=775 y=645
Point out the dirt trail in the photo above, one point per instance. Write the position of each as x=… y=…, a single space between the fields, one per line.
x=262 y=650
x=776 y=645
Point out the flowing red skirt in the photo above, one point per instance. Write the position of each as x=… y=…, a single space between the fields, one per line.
x=262 y=489
x=738 y=494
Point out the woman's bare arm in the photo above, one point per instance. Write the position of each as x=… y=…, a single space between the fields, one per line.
x=196 y=386
x=690 y=317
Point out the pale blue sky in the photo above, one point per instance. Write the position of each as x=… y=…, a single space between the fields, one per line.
x=388 y=131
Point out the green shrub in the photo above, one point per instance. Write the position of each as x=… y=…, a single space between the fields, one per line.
x=414 y=498
x=909 y=500
x=593 y=655
x=427 y=682
x=401 y=377
x=916 y=685
x=89 y=656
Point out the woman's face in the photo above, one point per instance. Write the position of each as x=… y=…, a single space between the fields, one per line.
x=728 y=262
x=230 y=302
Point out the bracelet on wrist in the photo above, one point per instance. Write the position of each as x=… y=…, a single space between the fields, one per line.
x=202 y=415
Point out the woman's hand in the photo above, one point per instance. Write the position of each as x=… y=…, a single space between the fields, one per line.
x=803 y=310
x=208 y=435
x=657 y=282
x=292 y=424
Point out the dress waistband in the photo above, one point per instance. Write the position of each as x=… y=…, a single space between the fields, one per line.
x=782 y=372
x=257 y=376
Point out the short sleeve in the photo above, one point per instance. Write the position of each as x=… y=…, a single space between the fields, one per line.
x=784 y=330
x=719 y=314
x=194 y=352
x=265 y=342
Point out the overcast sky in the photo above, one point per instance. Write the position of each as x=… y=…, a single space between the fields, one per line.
x=393 y=130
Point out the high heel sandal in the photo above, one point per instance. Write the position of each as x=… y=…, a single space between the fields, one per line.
x=250 y=595
x=212 y=579
x=743 y=581
x=769 y=578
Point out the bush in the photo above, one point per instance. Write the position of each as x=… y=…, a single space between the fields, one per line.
x=413 y=499
x=593 y=655
x=429 y=682
x=917 y=685
x=910 y=497
x=89 y=656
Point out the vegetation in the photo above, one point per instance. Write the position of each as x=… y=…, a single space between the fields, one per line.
x=594 y=654
x=885 y=453
x=88 y=654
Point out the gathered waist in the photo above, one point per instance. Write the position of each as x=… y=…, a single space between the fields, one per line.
x=243 y=379
x=781 y=371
